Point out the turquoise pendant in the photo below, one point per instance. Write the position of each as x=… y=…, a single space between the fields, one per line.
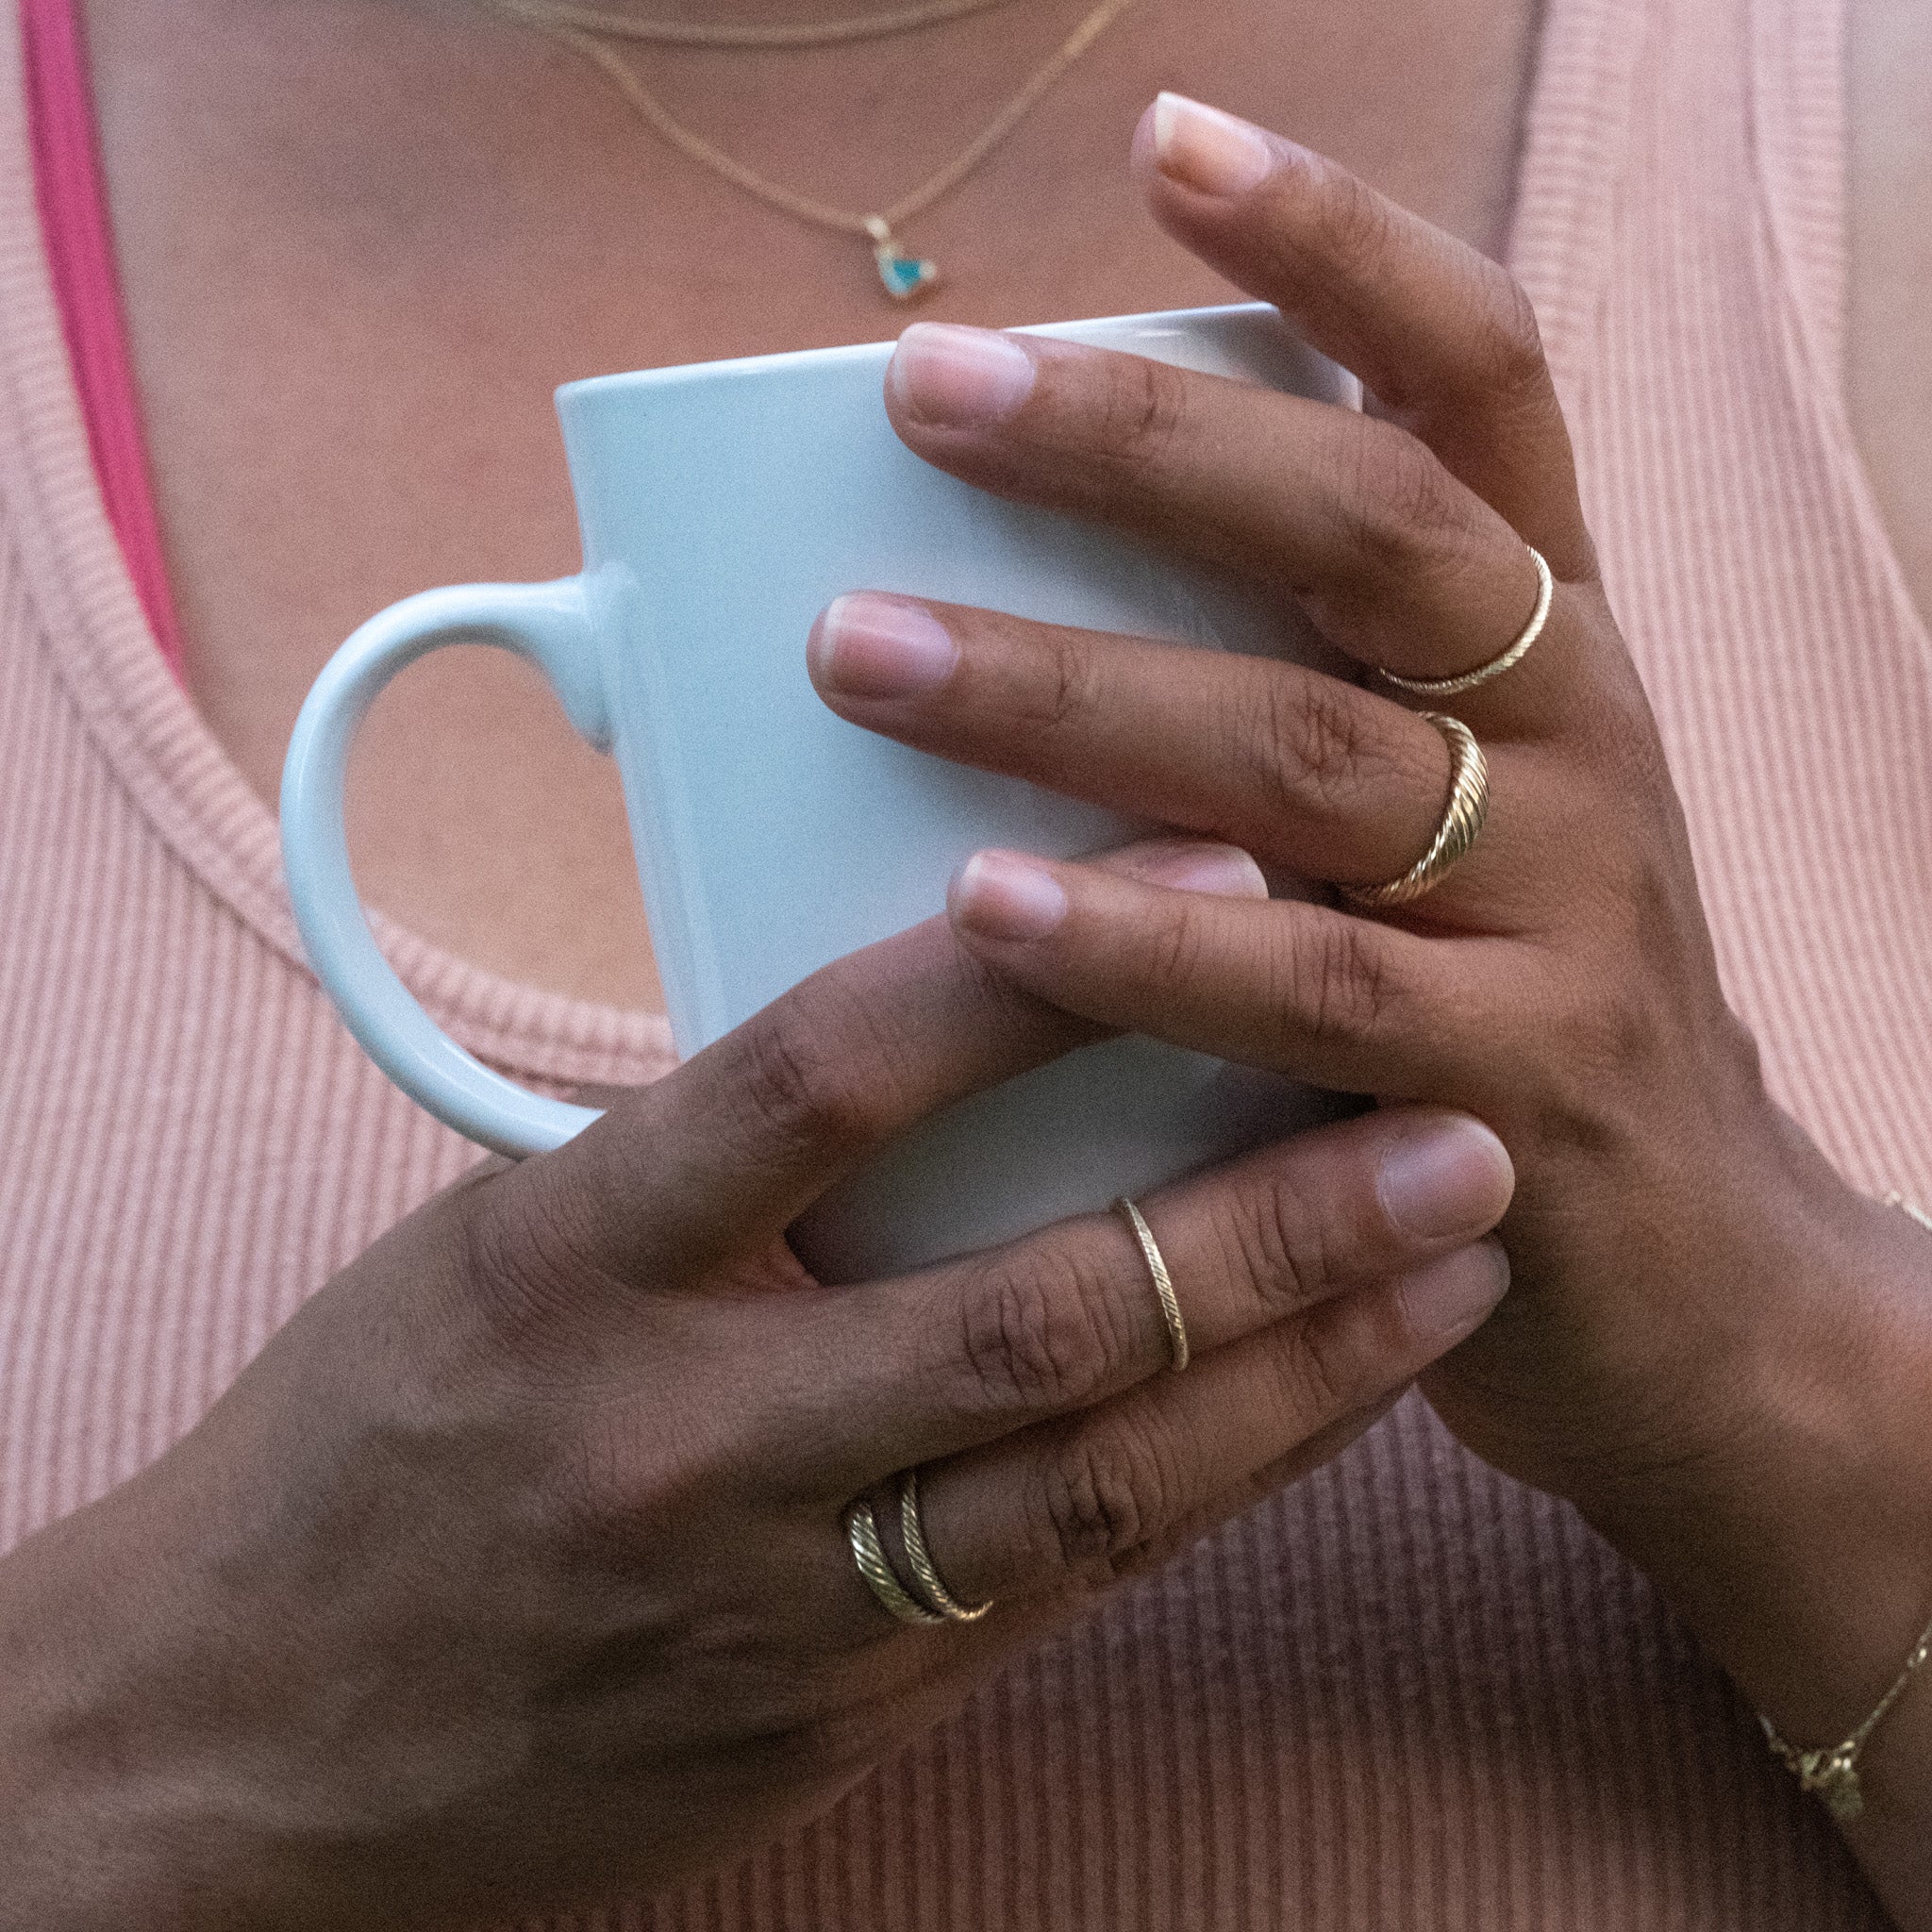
x=906 y=276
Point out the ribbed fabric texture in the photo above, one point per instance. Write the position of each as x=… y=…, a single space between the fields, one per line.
x=1408 y=1695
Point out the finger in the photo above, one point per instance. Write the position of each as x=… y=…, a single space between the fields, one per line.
x=898 y=1373
x=721 y=1155
x=1073 y=1500
x=1445 y=337
x=1320 y=778
x=1343 y=1002
x=1395 y=562
x=852 y=1610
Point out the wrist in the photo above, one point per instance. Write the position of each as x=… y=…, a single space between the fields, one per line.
x=112 y=1790
x=68 y=1801
x=1795 y=1537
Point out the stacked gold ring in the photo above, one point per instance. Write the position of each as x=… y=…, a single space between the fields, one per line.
x=1504 y=660
x=933 y=1602
x=928 y=1601
x=869 y=1553
x=1462 y=820
x=913 y=1533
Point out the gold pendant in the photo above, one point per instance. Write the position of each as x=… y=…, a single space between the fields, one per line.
x=906 y=276
x=1833 y=1777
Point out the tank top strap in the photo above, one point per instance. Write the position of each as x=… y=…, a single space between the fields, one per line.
x=78 y=234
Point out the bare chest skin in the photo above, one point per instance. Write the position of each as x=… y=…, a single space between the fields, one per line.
x=362 y=241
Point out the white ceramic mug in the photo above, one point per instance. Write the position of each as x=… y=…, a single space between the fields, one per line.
x=723 y=505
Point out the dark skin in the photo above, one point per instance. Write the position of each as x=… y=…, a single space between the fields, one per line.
x=1715 y=1348
x=510 y=1578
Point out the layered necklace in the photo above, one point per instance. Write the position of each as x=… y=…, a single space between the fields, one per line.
x=595 y=35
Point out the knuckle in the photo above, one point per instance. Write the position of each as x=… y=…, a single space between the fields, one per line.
x=843 y=1740
x=1349 y=221
x=1067 y=688
x=821 y=1725
x=1177 y=945
x=1139 y=410
x=1512 y=361
x=1286 y=1245
x=817 y=1068
x=527 y=1248
x=1337 y=982
x=1107 y=1492
x=1320 y=1377
x=1313 y=747
x=1042 y=1334
x=608 y=1489
x=1399 y=510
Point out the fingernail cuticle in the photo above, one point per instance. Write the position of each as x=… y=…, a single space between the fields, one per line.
x=866 y=645
x=959 y=377
x=1005 y=895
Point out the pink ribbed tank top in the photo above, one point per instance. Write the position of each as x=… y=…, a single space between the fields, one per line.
x=1407 y=1695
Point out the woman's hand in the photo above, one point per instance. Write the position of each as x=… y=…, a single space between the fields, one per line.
x=511 y=1575
x=1714 y=1347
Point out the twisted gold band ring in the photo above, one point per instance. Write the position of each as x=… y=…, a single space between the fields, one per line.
x=869 y=1553
x=912 y=1531
x=1462 y=820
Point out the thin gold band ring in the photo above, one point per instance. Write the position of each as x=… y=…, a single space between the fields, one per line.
x=1503 y=660
x=1163 y=1282
x=1462 y=820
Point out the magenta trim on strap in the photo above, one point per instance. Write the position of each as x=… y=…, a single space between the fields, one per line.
x=79 y=242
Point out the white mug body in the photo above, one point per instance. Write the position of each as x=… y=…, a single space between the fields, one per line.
x=723 y=505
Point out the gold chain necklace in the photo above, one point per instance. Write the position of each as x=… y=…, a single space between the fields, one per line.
x=904 y=275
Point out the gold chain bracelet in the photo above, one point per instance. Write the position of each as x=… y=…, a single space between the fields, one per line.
x=1832 y=1774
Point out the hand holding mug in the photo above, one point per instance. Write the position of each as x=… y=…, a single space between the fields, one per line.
x=1714 y=1347
x=511 y=1575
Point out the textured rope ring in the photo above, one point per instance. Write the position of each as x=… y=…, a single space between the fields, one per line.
x=1163 y=1282
x=869 y=1553
x=1462 y=820
x=913 y=1532
x=1517 y=652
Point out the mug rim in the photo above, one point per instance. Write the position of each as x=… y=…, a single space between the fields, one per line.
x=744 y=368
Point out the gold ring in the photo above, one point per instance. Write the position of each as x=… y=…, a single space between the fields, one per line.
x=913 y=1532
x=1503 y=660
x=1462 y=819
x=1163 y=1282
x=869 y=1553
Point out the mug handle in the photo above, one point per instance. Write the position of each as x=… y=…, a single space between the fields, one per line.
x=548 y=623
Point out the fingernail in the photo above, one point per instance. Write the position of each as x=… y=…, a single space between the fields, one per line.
x=1206 y=150
x=1223 y=870
x=1006 y=896
x=961 y=378
x=1446 y=1176
x=1452 y=1296
x=865 y=645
